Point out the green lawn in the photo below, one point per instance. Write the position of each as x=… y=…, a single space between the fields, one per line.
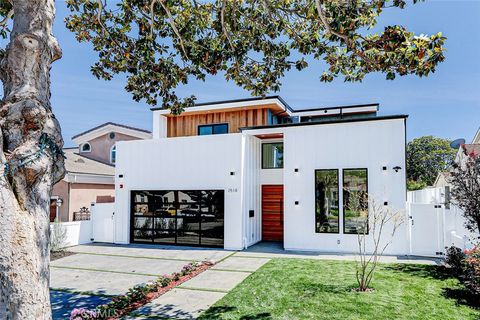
x=312 y=289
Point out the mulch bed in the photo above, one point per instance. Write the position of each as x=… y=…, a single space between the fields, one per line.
x=60 y=254
x=161 y=290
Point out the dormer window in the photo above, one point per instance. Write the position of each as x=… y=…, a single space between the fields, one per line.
x=113 y=154
x=86 y=147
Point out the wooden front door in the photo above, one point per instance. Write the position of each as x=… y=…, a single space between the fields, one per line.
x=272 y=212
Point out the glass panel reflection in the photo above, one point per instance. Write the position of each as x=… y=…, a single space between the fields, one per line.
x=355 y=201
x=326 y=201
x=189 y=217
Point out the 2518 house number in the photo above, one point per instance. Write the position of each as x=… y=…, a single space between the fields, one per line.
x=232 y=190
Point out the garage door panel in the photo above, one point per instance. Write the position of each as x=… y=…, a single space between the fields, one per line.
x=194 y=218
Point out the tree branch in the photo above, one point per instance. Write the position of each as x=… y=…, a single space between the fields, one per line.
x=171 y=22
x=7 y=18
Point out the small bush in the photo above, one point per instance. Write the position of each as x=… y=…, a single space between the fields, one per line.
x=455 y=260
x=466 y=267
x=471 y=272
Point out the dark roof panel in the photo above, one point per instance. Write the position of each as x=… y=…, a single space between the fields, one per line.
x=299 y=124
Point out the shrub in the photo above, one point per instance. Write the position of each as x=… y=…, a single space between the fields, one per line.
x=471 y=272
x=466 y=267
x=455 y=260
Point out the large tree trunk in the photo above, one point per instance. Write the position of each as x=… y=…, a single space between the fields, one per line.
x=29 y=138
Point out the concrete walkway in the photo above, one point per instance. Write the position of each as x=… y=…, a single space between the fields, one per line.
x=97 y=272
x=196 y=295
x=275 y=250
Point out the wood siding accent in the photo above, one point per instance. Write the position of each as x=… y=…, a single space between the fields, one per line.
x=272 y=212
x=187 y=125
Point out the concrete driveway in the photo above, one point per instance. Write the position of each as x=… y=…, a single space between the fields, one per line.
x=97 y=272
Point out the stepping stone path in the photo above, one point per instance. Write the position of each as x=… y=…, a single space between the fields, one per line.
x=196 y=295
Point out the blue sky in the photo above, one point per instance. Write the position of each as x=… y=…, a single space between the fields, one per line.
x=446 y=104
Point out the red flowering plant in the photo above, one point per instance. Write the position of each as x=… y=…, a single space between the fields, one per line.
x=471 y=272
x=140 y=295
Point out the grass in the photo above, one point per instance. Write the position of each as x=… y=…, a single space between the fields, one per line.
x=313 y=289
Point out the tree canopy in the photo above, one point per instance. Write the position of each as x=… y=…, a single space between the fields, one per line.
x=162 y=44
x=426 y=157
x=465 y=180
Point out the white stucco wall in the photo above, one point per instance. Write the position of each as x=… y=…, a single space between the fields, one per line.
x=183 y=163
x=369 y=144
x=205 y=162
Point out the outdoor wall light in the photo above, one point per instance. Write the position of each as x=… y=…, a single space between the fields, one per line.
x=232 y=173
x=120 y=175
x=384 y=168
x=59 y=202
x=385 y=203
x=296 y=203
x=295 y=170
x=397 y=168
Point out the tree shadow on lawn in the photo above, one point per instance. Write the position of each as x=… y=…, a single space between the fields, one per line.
x=216 y=313
x=459 y=293
x=64 y=301
x=424 y=271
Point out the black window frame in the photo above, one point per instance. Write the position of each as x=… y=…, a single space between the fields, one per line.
x=153 y=229
x=338 y=196
x=283 y=161
x=343 y=200
x=213 y=125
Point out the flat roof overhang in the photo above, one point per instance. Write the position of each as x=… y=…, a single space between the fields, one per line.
x=275 y=103
x=272 y=129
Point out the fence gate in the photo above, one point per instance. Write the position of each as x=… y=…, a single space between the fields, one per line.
x=102 y=222
x=427 y=229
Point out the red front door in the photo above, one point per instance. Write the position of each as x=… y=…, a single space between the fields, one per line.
x=272 y=212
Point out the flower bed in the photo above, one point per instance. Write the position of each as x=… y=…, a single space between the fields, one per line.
x=140 y=295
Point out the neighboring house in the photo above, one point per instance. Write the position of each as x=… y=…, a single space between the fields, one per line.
x=233 y=173
x=463 y=151
x=90 y=175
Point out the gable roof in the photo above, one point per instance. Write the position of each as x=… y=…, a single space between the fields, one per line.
x=75 y=163
x=111 y=127
x=476 y=138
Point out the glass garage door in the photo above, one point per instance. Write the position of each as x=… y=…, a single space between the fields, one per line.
x=178 y=217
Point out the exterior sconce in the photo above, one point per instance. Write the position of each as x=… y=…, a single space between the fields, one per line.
x=384 y=168
x=296 y=203
x=232 y=173
x=385 y=203
x=120 y=175
x=59 y=202
x=397 y=168
x=295 y=170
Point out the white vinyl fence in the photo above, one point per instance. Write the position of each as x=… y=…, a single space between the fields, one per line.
x=103 y=222
x=435 y=223
x=77 y=232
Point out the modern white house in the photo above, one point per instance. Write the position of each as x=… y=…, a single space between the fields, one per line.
x=233 y=173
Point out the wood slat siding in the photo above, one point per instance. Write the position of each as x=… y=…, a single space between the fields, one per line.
x=272 y=212
x=187 y=125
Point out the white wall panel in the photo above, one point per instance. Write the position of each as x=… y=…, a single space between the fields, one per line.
x=369 y=144
x=184 y=163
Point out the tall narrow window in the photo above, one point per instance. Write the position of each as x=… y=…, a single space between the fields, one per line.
x=326 y=201
x=113 y=155
x=355 y=201
x=272 y=155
